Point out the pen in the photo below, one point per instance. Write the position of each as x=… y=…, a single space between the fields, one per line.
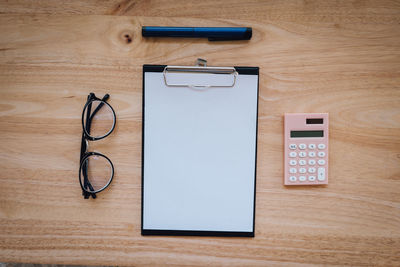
x=212 y=33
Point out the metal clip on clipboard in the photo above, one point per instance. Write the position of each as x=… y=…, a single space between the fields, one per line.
x=200 y=67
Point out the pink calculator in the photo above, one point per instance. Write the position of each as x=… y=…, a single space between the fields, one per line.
x=306 y=148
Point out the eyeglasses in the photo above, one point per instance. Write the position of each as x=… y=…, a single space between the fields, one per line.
x=96 y=171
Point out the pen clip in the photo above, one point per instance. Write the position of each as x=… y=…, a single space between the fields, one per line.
x=213 y=39
x=246 y=36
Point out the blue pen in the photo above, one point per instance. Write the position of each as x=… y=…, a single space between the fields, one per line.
x=212 y=33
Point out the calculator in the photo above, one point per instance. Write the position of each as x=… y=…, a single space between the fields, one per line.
x=306 y=148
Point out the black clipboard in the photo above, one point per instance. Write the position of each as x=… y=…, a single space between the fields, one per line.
x=166 y=209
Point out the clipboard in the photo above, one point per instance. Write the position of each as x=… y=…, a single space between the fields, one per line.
x=199 y=150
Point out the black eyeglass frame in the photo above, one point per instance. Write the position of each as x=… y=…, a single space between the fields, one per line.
x=84 y=144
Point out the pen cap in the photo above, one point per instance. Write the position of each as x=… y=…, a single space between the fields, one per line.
x=243 y=35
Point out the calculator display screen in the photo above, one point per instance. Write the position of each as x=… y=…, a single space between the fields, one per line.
x=306 y=134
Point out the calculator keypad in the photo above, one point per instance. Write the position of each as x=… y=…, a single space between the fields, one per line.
x=307 y=163
x=311 y=178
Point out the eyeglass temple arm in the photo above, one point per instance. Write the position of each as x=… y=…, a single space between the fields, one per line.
x=84 y=169
x=83 y=142
x=86 y=182
x=105 y=98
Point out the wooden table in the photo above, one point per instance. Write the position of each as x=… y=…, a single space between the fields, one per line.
x=341 y=57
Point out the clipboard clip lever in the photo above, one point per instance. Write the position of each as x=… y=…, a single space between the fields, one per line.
x=200 y=67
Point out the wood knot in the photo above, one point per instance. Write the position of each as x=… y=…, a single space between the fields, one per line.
x=128 y=38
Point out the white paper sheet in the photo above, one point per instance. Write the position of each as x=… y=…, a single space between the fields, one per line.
x=199 y=155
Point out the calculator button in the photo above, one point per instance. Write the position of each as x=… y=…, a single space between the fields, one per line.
x=292 y=146
x=311 y=178
x=302 y=162
x=321 y=174
x=302 y=146
x=311 y=146
x=321 y=154
x=302 y=170
x=292 y=162
x=302 y=154
x=292 y=154
x=311 y=154
x=321 y=162
x=321 y=146
x=292 y=170
x=302 y=178
x=311 y=162
x=311 y=170
x=292 y=178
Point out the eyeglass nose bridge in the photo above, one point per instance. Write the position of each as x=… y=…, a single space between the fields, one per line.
x=87 y=145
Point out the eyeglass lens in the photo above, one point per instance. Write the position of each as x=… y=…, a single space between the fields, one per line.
x=98 y=171
x=101 y=119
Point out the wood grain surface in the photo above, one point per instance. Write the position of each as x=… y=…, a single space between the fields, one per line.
x=341 y=57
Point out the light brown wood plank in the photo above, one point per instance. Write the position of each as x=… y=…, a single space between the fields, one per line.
x=353 y=11
x=340 y=64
